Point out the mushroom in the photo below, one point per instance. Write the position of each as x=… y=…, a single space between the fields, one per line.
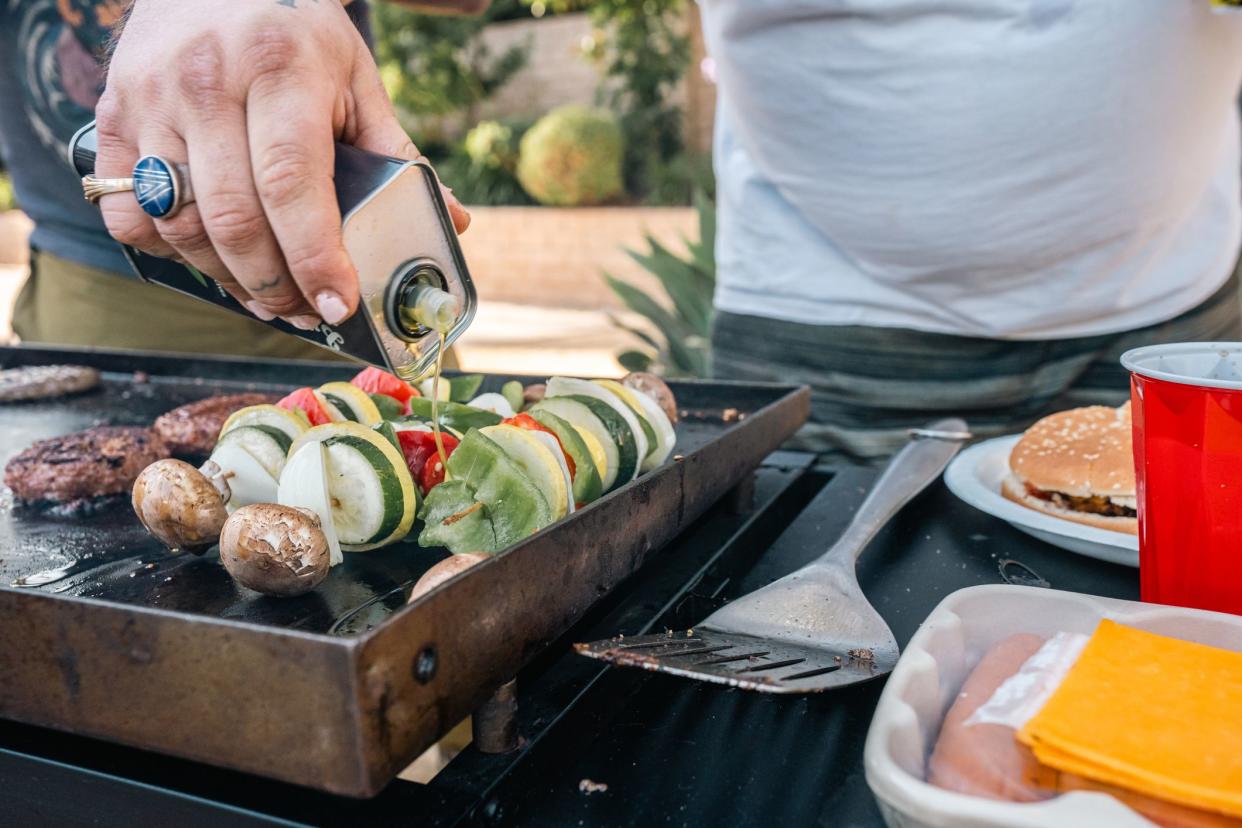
x=273 y=549
x=444 y=570
x=533 y=393
x=181 y=505
x=655 y=388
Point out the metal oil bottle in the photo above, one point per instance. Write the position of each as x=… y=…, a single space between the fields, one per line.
x=400 y=237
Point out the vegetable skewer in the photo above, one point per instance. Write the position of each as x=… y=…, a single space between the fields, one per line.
x=356 y=457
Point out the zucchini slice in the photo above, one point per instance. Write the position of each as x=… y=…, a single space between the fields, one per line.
x=272 y=416
x=372 y=495
x=581 y=417
x=587 y=485
x=566 y=386
x=268 y=445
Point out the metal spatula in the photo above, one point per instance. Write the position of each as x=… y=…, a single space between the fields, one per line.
x=812 y=630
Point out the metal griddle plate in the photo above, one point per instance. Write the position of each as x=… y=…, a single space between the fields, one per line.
x=341 y=688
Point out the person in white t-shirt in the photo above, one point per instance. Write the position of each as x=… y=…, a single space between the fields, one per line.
x=969 y=206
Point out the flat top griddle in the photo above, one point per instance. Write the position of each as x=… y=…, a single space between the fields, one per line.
x=100 y=608
x=672 y=752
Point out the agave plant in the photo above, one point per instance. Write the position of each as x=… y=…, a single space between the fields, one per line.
x=678 y=345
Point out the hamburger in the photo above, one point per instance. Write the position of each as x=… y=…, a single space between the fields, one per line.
x=1078 y=465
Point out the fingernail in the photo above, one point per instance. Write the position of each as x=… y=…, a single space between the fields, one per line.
x=331 y=307
x=304 y=322
x=260 y=311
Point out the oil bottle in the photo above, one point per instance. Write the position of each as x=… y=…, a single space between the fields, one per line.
x=416 y=293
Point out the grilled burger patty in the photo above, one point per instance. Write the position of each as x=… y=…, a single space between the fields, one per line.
x=1094 y=504
x=194 y=427
x=99 y=461
x=35 y=382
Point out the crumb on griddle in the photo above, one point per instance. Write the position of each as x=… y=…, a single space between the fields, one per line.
x=590 y=786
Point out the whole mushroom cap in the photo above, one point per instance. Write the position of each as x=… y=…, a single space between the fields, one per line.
x=655 y=388
x=179 y=505
x=273 y=549
x=444 y=570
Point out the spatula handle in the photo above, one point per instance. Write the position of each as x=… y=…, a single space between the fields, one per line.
x=909 y=472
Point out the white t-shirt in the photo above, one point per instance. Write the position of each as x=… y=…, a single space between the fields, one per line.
x=1019 y=169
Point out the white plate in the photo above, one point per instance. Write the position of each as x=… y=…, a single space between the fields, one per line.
x=936 y=663
x=975 y=476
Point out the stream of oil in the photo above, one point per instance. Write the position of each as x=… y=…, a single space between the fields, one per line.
x=435 y=404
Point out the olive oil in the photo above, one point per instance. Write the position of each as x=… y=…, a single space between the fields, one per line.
x=435 y=403
x=437 y=310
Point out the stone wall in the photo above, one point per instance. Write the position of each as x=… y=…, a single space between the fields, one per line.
x=554 y=257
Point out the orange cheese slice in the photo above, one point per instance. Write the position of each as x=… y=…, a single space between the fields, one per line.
x=1152 y=714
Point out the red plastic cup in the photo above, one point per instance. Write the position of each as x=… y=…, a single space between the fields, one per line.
x=1187 y=413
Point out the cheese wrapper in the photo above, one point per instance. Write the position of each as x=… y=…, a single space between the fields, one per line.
x=1151 y=714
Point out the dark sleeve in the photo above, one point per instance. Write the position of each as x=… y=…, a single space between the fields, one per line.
x=360 y=13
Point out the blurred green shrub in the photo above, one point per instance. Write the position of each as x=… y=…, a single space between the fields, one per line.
x=435 y=65
x=679 y=343
x=491 y=144
x=8 y=201
x=572 y=156
x=482 y=170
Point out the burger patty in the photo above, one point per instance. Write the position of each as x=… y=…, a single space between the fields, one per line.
x=194 y=427
x=1091 y=504
x=99 y=461
x=36 y=382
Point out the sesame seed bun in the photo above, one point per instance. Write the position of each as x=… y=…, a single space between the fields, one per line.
x=1080 y=453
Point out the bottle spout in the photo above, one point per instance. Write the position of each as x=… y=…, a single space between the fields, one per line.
x=431 y=307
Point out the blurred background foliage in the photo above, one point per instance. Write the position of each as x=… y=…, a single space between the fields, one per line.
x=678 y=342
x=437 y=65
x=439 y=72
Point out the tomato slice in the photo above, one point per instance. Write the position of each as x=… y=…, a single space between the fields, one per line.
x=422 y=457
x=531 y=424
x=374 y=381
x=304 y=400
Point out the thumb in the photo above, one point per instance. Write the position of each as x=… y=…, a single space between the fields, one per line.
x=377 y=130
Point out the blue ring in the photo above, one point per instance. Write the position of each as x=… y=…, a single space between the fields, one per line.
x=157 y=186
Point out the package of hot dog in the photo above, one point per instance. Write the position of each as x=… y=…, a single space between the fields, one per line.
x=1014 y=707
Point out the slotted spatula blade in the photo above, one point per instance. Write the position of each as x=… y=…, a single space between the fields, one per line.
x=739 y=660
x=812 y=630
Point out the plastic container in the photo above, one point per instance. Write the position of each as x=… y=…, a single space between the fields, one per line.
x=936 y=663
x=1187 y=412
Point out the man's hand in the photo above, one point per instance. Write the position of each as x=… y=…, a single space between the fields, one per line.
x=252 y=94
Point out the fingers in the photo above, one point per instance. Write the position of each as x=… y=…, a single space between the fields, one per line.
x=459 y=214
x=115 y=157
x=291 y=150
x=229 y=217
x=377 y=129
x=183 y=232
